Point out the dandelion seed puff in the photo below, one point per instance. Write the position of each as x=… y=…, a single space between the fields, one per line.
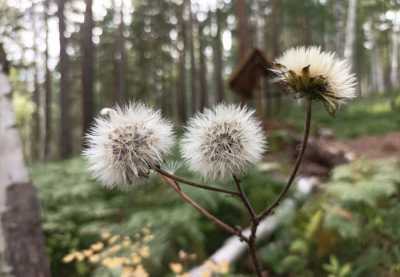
x=310 y=72
x=123 y=144
x=223 y=141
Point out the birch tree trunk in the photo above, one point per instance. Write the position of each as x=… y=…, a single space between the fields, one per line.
x=350 y=32
x=339 y=26
x=22 y=252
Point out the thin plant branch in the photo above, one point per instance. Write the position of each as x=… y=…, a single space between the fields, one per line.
x=245 y=199
x=202 y=210
x=193 y=184
x=254 y=225
x=296 y=167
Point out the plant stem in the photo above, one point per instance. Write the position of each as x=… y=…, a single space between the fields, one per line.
x=202 y=210
x=296 y=167
x=245 y=200
x=253 y=251
x=254 y=225
x=193 y=184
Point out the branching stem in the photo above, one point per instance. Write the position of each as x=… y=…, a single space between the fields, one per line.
x=296 y=167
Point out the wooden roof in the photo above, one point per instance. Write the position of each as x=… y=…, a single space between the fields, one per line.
x=246 y=75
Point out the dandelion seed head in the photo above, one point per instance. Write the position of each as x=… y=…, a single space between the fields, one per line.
x=124 y=144
x=310 y=72
x=223 y=141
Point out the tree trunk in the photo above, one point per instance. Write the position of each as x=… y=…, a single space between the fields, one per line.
x=65 y=133
x=218 y=58
x=276 y=28
x=339 y=26
x=202 y=69
x=181 y=78
x=36 y=126
x=120 y=58
x=22 y=251
x=87 y=65
x=350 y=32
x=193 y=66
x=48 y=90
x=243 y=30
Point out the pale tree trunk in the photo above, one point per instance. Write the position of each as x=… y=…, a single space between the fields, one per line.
x=394 y=65
x=339 y=26
x=22 y=251
x=218 y=58
x=87 y=65
x=202 y=69
x=377 y=70
x=350 y=32
x=48 y=90
x=193 y=65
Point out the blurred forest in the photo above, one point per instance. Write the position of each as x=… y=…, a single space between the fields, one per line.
x=68 y=59
x=71 y=58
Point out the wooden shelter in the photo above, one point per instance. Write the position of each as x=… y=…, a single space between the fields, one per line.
x=246 y=79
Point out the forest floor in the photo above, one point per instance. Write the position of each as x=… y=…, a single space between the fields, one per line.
x=375 y=147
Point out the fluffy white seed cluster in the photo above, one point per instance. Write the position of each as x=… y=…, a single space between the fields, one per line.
x=125 y=141
x=223 y=141
x=317 y=74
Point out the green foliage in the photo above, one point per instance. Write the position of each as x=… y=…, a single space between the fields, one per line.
x=76 y=210
x=348 y=229
x=371 y=116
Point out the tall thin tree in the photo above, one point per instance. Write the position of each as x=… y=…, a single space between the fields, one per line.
x=202 y=68
x=36 y=128
x=243 y=30
x=181 y=70
x=65 y=132
x=120 y=55
x=193 y=65
x=48 y=88
x=218 y=58
x=87 y=65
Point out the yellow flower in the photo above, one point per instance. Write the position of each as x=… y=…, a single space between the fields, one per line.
x=115 y=249
x=113 y=239
x=97 y=246
x=140 y=272
x=94 y=259
x=105 y=235
x=69 y=258
x=87 y=253
x=176 y=267
x=136 y=259
x=144 y=251
x=113 y=262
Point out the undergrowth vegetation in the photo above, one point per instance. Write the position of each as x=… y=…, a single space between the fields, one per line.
x=365 y=116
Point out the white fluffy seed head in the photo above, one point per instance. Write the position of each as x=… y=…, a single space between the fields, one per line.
x=319 y=75
x=123 y=145
x=223 y=141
